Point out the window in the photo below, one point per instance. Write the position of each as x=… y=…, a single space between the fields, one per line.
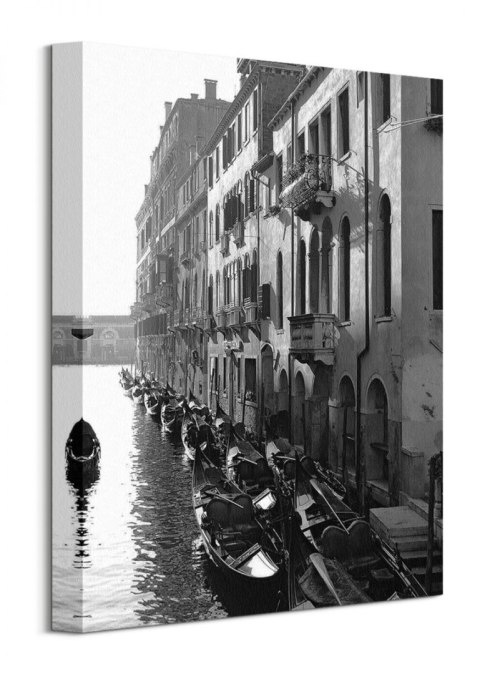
x=217 y=223
x=360 y=87
x=384 y=258
x=225 y=151
x=436 y=97
x=326 y=132
x=217 y=161
x=254 y=277
x=383 y=98
x=301 y=145
x=210 y=230
x=247 y=193
x=210 y=296
x=251 y=379
x=239 y=132
x=302 y=263
x=280 y=291
x=210 y=171
x=214 y=373
x=255 y=109
x=345 y=270
x=279 y=175
x=313 y=138
x=225 y=375
x=247 y=121
x=343 y=124
x=437 y=258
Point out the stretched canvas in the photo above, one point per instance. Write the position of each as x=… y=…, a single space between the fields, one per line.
x=246 y=337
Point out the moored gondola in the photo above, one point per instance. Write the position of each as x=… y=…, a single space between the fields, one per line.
x=196 y=432
x=339 y=534
x=152 y=401
x=82 y=449
x=232 y=536
x=171 y=415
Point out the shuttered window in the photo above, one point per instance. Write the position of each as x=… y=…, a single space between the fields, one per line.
x=437 y=258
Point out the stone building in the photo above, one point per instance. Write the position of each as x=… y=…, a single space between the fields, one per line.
x=188 y=125
x=352 y=249
x=234 y=298
x=92 y=339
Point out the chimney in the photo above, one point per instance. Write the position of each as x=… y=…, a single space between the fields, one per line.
x=168 y=109
x=194 y=97
x=211 y=89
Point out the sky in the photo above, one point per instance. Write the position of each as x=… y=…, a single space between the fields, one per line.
x=124 y=90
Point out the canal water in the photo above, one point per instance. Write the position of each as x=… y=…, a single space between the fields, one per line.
x=127 y=551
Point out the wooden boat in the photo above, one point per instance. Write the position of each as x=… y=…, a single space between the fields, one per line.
x=137 y=394
x=314 y=581
x=153 y=402
x=247 y=466
x=339 y=534
x=194 y=433
x=233 y=538
x=82 y=449
x=171 y=415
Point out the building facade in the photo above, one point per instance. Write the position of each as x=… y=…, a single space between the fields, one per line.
x=355 y=241
x=188 y=125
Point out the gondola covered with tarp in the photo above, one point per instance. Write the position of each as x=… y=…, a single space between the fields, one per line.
x=82 y=449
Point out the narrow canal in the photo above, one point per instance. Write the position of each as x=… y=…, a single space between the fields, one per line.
x=127 y=552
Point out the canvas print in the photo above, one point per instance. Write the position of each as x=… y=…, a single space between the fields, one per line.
x=246 y=337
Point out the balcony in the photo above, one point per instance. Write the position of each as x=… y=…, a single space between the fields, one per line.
x=250 y=313
x=221 y=320
x=313 y=337
x=148 y=303
x=307 y=185
x=178 y=319
x=225 y=243
x=202 y=246
x=239 y=234
x=164 y=294
x=185 y=258
x=136 y=310
x=209 y=323
x=234 y=317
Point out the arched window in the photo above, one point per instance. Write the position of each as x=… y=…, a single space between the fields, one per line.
x=210 y=229
x=238 y=298
x=217 y=290
x=384 y=258
x=280 y=290
x=195 y=289
x=187 y=294
x=217 y=223
x=247 y=192
x=302 y=272
x=247 y=281
x=210 y=296
x=314 y=271
x=344 y=263
x=326 y=270
x=202 y=297
x=226 y=287
x=254 y=277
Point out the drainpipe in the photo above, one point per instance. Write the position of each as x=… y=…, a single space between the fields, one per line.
x=292 y=289
x=360 y=467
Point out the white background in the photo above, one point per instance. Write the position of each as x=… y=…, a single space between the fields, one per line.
x=405 y=37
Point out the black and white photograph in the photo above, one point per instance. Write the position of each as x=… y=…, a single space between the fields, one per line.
x=258 y=366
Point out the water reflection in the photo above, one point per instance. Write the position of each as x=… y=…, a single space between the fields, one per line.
x=126 y=548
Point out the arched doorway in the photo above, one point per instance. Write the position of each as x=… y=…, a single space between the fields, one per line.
x=314 y=271
x=376 y=440
x=347 y=456
x=267 y=382
x=283 y=417
x=299 y=410
x=326 y=268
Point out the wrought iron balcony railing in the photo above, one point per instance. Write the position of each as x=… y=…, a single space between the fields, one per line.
x=307 y=181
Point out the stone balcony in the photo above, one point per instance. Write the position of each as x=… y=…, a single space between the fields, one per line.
x=313 y=337
x=164 y=294
x=225 y=243
x=209 y=323
x=221 y=320
x=239 y=233
x=307 y=185
x=234 y=317
x=149 y=303
x=251 y=312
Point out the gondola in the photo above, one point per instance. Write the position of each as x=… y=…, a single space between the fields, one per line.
x=152 y=401
x=247 y=466
x=315 y=581
x=195 y=432
x=82 y=449
x=137 y=394
x=233 y=538
x=171 y=415
x=339 y=534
